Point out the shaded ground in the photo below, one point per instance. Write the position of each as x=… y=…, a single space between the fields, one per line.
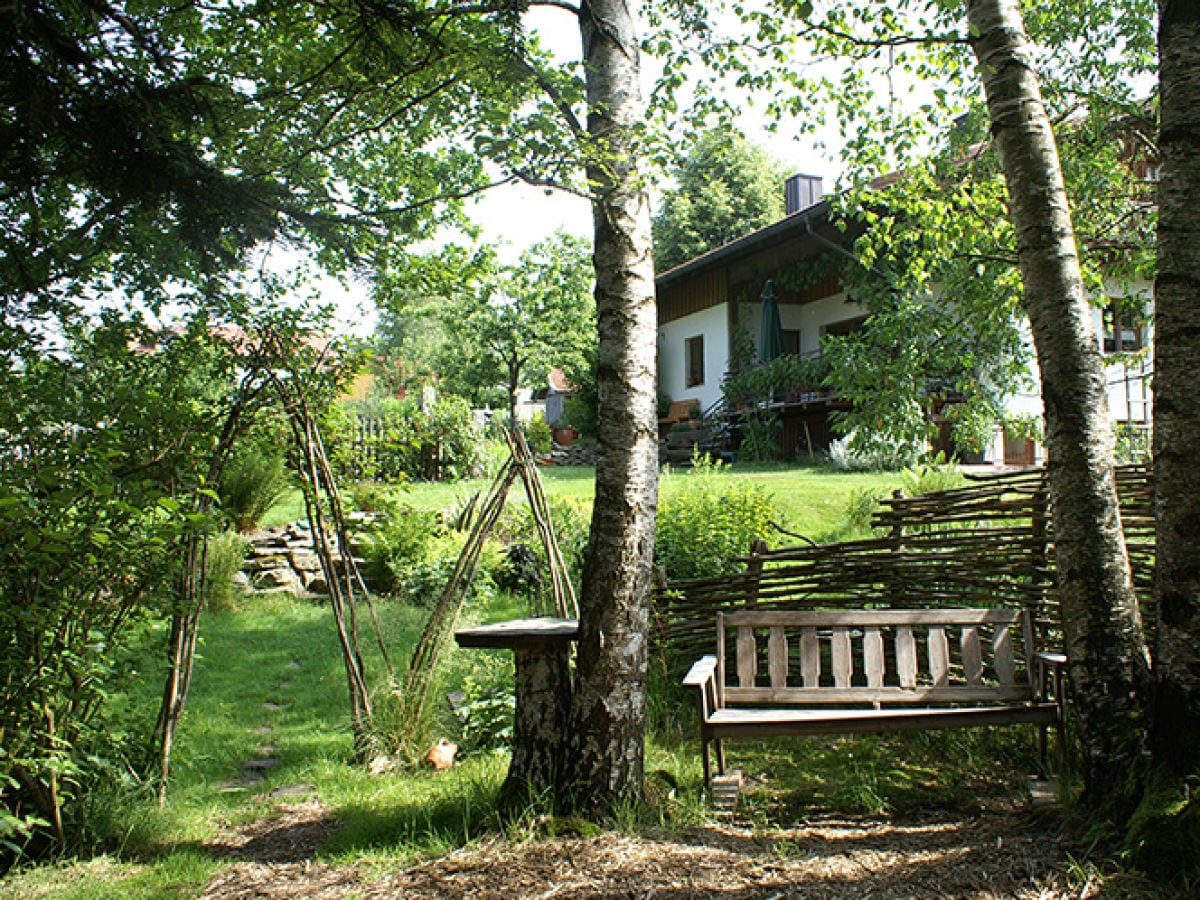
x=1001 y=852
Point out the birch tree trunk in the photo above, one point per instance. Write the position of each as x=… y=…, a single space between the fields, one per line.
x=1175 y=723
x=1108 y=662
x=609 y=702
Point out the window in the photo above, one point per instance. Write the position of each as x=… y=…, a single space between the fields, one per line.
x=791 y=341
x=694 y=353
x=846 y=326
x=1124 y=326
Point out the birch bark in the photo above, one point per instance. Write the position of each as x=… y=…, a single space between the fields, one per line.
x=609 y=701
x=1175 y=728
x=1108 y=661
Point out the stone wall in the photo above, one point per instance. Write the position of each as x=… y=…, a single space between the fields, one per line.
x=282 y=558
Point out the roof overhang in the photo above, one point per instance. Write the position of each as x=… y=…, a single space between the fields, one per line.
x=796 y=224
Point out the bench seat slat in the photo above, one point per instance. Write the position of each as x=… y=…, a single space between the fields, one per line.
x=906 y=656
x=873 y=661
x=777 y=662
x=747 y=659
x=1002 y=655
x=833 y=695
x=749 y=722
x=843 y=664
x=939 y=656
x=810 y=657
x=972 y=655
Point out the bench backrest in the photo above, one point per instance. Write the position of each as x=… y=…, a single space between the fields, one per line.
x=681 y=411
x=879 y=656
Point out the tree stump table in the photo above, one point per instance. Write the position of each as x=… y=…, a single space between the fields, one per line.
x=542 y=679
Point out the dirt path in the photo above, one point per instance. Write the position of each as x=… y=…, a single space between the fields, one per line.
x=996 y=853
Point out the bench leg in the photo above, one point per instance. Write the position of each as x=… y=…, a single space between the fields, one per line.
x=720 y=757
x=704 y=758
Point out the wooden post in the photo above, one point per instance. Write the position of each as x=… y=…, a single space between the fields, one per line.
x=754 y=571
x=542 y=680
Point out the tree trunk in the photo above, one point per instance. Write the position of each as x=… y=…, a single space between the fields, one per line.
x=1106 y=648
x=1175 y=722
x=542 y=685
x=609 y=703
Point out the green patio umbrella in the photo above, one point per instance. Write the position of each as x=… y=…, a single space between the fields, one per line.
x=770 y=340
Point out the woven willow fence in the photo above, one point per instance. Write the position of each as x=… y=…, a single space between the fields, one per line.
x=989 y=543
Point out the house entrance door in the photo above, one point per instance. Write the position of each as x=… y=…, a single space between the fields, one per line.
x=1018 y=451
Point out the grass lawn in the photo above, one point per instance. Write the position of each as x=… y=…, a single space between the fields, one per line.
x=267 y=723
x=809 y=500
x=270 y=686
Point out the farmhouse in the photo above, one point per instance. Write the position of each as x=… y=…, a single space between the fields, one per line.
x=711 y=308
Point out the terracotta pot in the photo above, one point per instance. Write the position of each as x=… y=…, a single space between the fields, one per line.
x=565 y=436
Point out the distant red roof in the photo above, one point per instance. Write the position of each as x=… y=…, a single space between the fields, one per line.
x=559 y=383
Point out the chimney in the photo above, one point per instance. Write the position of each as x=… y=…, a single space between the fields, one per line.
x=801 y=192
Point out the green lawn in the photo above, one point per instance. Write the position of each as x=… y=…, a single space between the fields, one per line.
x=810 y=500
x=269 y=684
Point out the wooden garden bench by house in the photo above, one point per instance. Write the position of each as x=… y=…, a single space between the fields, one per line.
x=680 y=411
x=809 y=672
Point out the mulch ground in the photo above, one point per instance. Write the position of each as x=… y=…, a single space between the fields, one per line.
x=1003 y=852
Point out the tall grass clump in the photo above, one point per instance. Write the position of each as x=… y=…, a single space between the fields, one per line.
x=935 y=476
x=707 y=519
x=254 y=480
x=861 y=507
x=223 y=560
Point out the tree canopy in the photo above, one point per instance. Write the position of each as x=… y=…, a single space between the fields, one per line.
x=509 y=325
x=725 y=188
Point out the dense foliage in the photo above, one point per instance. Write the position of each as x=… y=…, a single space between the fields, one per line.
x=106 y=452
x=395 y=440
x=706 y=521
x=724 y=189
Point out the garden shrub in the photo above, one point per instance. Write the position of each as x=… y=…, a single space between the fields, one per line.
x=859 y=452
x=579 y=412
x=424 y=582
x=372 y=497
x=571 y=526
x=931 y=478
x=705 y=521
x=760 y=438
x=487 y=708
x=397 y=542
x=411 y=554
x=538 y=435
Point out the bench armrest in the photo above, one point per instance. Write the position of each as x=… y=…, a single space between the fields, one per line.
x=1052 y=667
x=703 y=677
x=702 y=671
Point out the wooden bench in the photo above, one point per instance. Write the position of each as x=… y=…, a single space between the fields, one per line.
x=680 y=411
x=809 y=672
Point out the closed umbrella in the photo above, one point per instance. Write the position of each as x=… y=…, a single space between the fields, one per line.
x=770 y=343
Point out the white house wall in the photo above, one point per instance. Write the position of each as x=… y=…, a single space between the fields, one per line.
x=808 y=318
x=1129 y=395
x=713 y=325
